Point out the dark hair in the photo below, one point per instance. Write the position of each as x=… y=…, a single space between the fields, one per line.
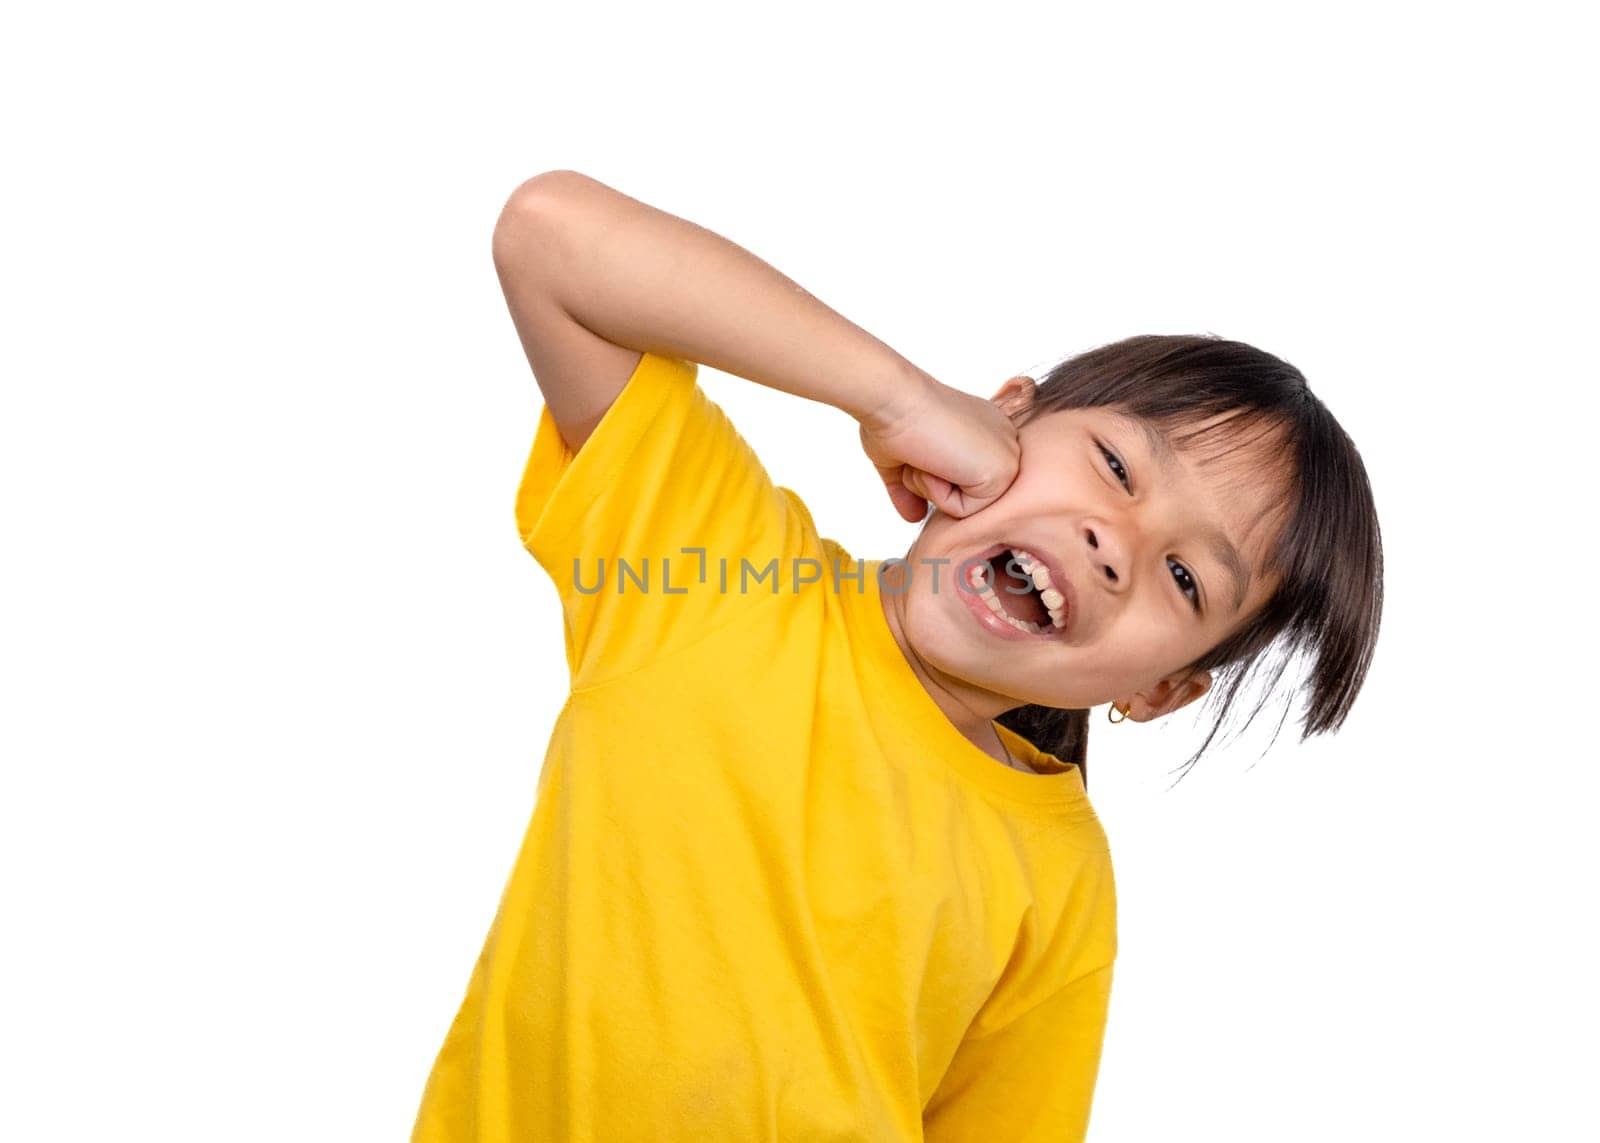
x=1329 y=553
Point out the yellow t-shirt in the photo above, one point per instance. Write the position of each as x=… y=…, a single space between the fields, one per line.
x=769 y=892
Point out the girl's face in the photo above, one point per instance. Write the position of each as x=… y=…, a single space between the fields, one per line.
x=1154 y=558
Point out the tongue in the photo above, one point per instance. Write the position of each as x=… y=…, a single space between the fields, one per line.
x=1026 y=606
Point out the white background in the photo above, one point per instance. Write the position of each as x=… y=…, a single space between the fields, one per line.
x=278 y=677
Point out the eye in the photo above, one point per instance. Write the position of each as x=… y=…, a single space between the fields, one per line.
x=1117 y=468
x=1184 y=578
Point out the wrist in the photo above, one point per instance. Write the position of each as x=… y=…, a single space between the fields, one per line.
x=902 y=392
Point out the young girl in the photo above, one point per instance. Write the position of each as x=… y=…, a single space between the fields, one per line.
x=812 y=856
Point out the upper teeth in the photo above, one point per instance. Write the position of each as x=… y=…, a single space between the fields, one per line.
x=1054 y=601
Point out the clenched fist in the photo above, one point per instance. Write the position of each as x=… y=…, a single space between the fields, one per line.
x=942 y=445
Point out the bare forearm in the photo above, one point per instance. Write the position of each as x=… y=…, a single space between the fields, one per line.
x=651 y=281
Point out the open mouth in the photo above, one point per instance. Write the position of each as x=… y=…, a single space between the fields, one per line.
x=1017 y=588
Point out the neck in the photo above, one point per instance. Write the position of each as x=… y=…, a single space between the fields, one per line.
x=969 y=709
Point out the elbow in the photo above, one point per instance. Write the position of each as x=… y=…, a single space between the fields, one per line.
x=540 y=193
x=525 y=231
x=536 y=214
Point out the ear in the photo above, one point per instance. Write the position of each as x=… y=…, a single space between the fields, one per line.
x=1168 y=695
x=1015 y=397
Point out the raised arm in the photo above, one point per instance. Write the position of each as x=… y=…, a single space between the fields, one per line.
x=593 y=278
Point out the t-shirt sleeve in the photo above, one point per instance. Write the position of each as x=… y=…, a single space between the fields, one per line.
x=646 y=528
x=1032 y=1079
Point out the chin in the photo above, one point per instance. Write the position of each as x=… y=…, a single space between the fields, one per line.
x=943 y=647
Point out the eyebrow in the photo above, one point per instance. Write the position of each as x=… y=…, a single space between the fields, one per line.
x=1222 y=549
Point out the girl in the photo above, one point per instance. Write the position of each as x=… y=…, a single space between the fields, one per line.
x=812 y=856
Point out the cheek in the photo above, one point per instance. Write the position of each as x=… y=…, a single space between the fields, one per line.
x=1140 y=648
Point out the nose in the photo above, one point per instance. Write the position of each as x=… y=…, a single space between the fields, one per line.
x=1106 y=555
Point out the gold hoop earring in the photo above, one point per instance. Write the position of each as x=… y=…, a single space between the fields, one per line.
x=1116 y=708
